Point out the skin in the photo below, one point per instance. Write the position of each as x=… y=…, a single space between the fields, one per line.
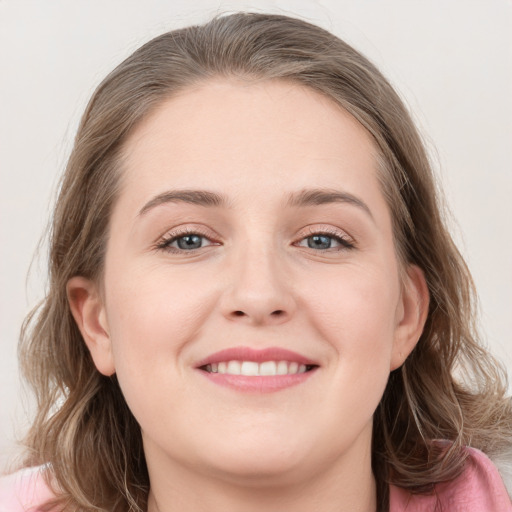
x=255 y=282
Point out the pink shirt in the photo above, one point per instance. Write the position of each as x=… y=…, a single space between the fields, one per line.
x=478 y=489
x=23 y=491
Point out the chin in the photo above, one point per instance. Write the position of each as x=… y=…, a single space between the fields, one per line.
x=262 y=464
x=263 y=472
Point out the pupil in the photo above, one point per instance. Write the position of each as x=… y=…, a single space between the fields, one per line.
x=319 y=242
x=189 y=242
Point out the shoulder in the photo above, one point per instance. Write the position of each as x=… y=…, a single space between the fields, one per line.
x=479 y=488
x=24 y=491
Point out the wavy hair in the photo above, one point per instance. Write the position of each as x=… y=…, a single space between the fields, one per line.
x=448 y=388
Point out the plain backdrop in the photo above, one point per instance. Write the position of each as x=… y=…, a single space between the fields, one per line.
x=450 y=60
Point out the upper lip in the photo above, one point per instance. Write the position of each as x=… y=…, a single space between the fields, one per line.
x=256 y=355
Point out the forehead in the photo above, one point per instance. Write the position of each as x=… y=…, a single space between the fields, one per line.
x=264 y=136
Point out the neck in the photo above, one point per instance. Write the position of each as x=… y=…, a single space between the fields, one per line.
x=346 y=485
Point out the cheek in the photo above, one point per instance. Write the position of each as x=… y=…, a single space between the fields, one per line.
x=356 y=309
x=152 y=317
x=152 y=300
x=357 y=314
x=150 y=325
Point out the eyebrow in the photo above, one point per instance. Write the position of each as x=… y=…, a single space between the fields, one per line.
x=319 y=196
x=302 y=198
x=197 y=197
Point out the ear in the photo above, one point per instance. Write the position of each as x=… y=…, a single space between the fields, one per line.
x=412 y=314
x=89 y=314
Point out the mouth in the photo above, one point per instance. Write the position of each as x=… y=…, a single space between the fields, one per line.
x=255 y=369
x=249 y=370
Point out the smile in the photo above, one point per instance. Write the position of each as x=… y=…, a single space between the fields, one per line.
x=249 y=370
x=254 y=369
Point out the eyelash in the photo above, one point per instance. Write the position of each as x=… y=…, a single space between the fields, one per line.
x=170 y=238
x=345 y=242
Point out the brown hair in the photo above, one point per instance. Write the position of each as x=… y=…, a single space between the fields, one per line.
x=83 y=426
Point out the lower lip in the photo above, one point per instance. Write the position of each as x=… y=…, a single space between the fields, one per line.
x=258 y=384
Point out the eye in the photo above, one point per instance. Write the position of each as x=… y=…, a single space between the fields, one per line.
x=188 y=242
x=325 y=241
x=184 y=241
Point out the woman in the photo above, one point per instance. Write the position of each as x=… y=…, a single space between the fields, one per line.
x=253 y=294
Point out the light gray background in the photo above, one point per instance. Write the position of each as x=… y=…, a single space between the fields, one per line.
x=450 y=60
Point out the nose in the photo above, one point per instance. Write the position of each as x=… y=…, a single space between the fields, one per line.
x=259 y=290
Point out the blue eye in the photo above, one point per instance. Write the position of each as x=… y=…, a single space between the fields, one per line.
x=184 y=242
x=323 y=242
x=319 y=242
x=189 y=242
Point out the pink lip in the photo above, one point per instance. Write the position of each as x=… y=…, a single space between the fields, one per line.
x=256 y=384
x=258 y=356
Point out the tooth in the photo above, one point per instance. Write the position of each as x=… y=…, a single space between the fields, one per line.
x=293 y=368
x=233 y=367
x=249 y=368
x=282 y=368
x=268 y=368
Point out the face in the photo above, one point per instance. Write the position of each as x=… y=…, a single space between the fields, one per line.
x=251 y=227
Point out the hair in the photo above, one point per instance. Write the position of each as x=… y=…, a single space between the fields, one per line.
x=449 y=387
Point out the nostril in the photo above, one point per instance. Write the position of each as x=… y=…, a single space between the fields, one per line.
x=277 y=315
